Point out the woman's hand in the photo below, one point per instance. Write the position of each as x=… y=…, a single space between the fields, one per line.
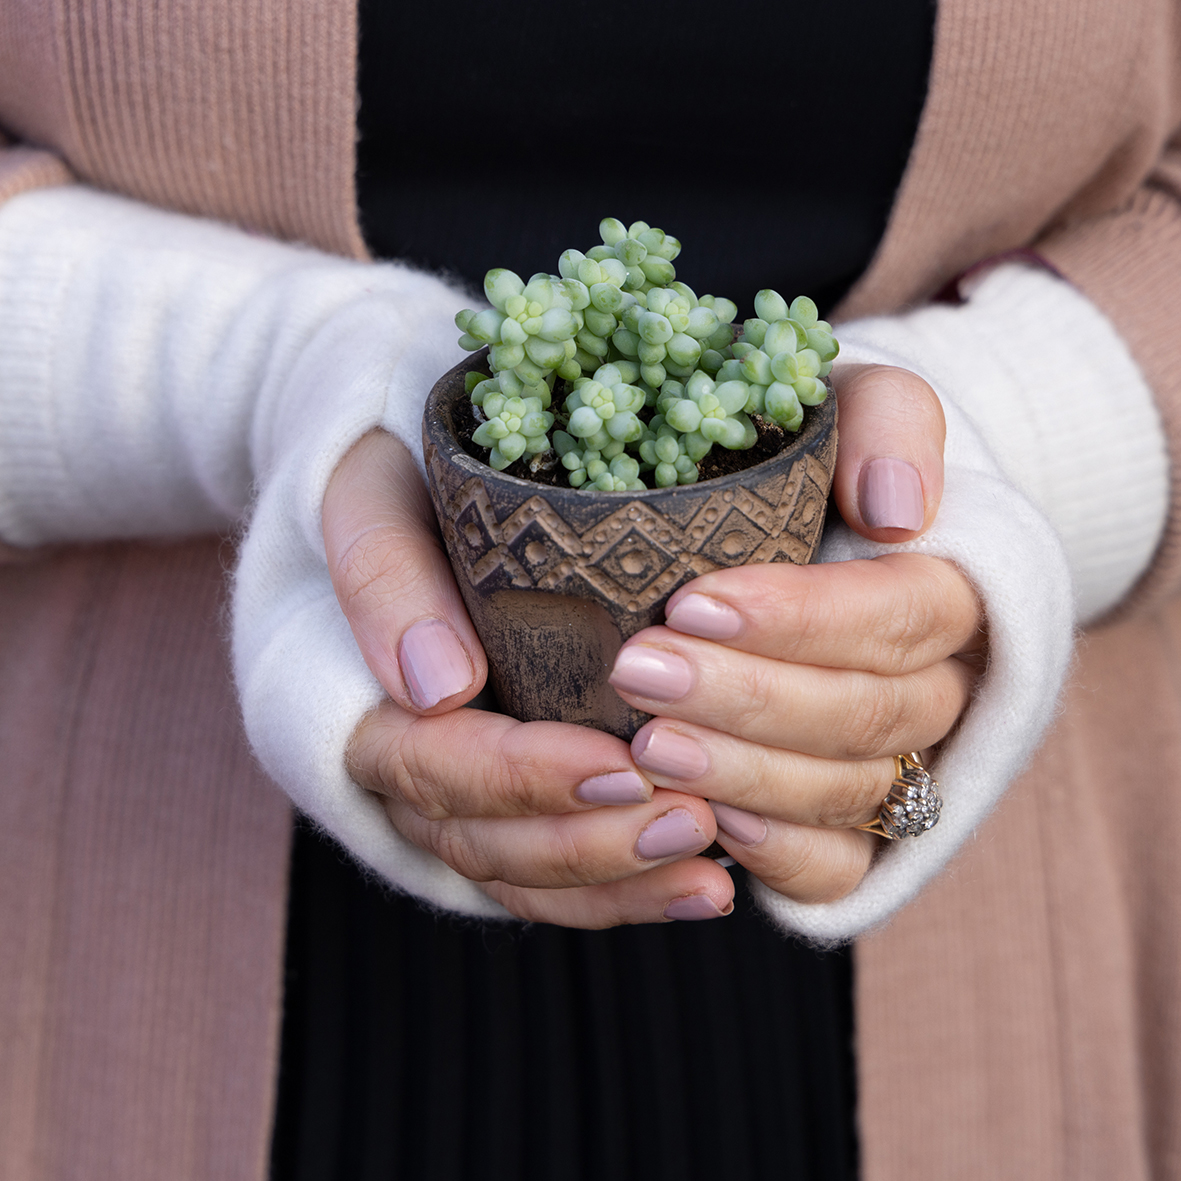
x=559 y=822
x=556 y=820
x=782 y=693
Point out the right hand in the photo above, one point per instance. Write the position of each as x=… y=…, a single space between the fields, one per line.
x=524 y=808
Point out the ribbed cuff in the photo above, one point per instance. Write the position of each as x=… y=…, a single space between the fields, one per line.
x=32 y=468
x=1127 y=263
x=1062 y=405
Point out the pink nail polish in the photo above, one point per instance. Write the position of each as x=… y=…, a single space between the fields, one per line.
x=670 y=835
x=699 y=615
x=693 y=907
x=434 y=663
x=616 y=787
x=890 y=495
x=667 y=752
x=652 y=673
x=746 y=827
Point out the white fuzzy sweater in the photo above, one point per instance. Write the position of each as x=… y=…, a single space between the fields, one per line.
x=161 y=375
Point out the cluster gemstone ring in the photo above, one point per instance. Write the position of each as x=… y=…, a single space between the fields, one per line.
x=912 y=806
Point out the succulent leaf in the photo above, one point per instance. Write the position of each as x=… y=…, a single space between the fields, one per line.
x=653 y=375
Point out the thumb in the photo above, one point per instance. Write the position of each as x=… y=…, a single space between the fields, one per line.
x=394 y=582
x=889 y=473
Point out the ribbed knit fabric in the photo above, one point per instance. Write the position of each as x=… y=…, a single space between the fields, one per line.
x=32 y=84
x=1038 y=114
x=155 y=1060
x=1127 y=265
x=1053 y=131
x=1028 y=1005
x=247 y=119
x=23 y=168
x=1019 y=134
x=1063 y=406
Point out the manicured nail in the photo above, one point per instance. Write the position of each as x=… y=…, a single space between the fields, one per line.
x=745 y=827
x=890 y=495
x=669 y=753
x=652 y=673
x=699 y=615
x=694 y=908
x=433 y=662
x=669 y=835
x=617 y=787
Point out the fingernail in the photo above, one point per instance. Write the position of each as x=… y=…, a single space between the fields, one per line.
x=746 y=827
x=617 y=787
x=890 y=495
x=699 y=615
x=433 y=662
x=668 y=835
x=694 y=908
x=668 y=753
x=652 y=673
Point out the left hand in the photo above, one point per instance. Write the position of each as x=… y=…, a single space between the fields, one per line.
x=782 y=693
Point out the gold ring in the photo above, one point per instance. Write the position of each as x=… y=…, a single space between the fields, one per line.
x=914 y=802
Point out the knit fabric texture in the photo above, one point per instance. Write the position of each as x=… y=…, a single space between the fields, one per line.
x=251 y=369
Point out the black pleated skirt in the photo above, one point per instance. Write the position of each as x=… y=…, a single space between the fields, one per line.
x=428 y=1048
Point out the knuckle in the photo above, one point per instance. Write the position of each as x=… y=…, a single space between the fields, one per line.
x=613 y=911
x=509 y=784
x=406 y=777
x=451 y=843
x=935 y=611
x=366 y=753
x=368 y=574
x=842 y=866
x=841 y=879
x=523 y=903
x=949 y=689
x=440 y=779
x=902 y=631
x=824 y=870
x=814 y=610
x=757 y=695
x=875 y=719
x=856 y=796
x=569 y=861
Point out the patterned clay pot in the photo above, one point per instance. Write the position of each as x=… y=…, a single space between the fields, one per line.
x=555 y=579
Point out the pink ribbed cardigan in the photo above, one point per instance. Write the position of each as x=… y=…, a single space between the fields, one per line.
x=1019 y=1020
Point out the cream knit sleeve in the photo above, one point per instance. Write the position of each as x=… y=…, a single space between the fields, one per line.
x=161 y=375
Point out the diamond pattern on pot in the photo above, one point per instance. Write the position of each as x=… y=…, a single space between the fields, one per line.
x=635 y=555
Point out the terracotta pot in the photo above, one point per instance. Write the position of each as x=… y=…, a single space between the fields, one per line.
x=555 y=579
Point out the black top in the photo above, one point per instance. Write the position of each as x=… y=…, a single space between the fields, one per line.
x=770 y=139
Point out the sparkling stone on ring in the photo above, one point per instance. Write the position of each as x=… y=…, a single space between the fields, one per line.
x=914 y=802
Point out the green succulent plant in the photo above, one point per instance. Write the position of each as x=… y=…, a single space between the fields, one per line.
x=652 y=376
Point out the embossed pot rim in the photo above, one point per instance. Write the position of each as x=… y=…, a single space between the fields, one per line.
x=438 y=411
